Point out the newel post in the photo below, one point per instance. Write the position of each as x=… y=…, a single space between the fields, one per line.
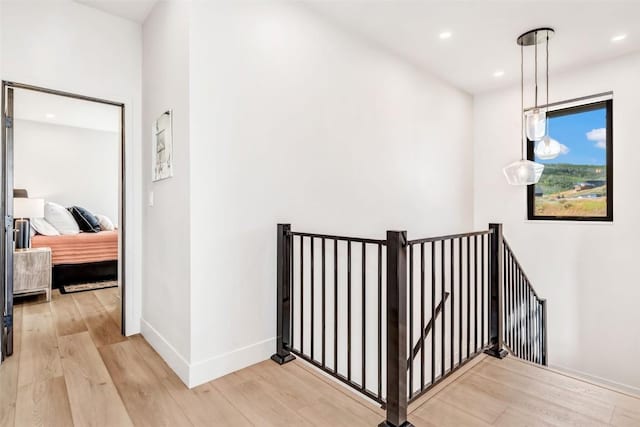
x=283 y=302
x=495 y=293
x=545 y=343
x=397 y=399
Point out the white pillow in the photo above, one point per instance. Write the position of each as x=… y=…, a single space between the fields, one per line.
x=105 y=223
x=42 y=226
x=60 y=218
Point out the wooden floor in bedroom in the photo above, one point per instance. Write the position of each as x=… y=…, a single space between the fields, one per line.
x=71 y=366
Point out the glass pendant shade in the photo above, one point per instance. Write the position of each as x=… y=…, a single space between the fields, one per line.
x=548 y=149
x=536 y=124
x=523 y=172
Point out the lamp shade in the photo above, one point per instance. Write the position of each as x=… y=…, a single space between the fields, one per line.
x=523 y=172
x=548 y=148
x=535 y=124
x=28 y=208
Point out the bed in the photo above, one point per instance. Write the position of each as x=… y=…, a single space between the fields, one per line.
x=81 y=258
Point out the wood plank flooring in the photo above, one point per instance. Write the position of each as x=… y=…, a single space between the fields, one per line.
x=72 y=367
x=512 y=392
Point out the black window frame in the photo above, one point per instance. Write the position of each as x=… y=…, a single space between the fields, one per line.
x=608 y=105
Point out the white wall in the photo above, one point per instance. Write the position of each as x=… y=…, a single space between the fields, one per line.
x=293 y=120
x=166 y=262
x=67 y=46
x=586 y=271
x=68 y=165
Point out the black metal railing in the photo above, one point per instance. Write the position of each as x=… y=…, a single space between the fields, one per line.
x=448 y=302
x=525 y=313
x=334 y=291
x=392 y=318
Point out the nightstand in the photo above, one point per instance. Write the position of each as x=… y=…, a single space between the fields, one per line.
x=32 y=272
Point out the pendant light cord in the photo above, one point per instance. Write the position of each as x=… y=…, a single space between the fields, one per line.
x=536 y=68
x=522 y=101
x=547 y=86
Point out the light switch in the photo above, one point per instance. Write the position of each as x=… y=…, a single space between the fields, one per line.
x=150 y=198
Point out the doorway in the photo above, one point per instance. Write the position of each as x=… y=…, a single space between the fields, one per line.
x=82 y=247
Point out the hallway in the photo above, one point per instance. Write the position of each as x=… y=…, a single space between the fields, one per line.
x=72 y=367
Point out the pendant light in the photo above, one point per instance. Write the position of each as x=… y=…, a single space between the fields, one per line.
x=533 y=124
x=547 y=148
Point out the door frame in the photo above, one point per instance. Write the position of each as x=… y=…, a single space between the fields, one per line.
x=7 y=233
x=7 y=146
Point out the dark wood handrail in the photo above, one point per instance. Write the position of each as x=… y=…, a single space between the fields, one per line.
x=344 y=238
x=449 y=237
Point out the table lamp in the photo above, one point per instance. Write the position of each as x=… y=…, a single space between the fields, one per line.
x=23 y=209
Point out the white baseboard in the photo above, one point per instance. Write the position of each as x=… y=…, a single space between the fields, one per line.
x=204 y=371
x=132 y=326
x=170 y=355
x=215 y=367
x=614 y=385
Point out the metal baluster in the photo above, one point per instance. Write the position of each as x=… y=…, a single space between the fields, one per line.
x=313 y=305
x=460 y=301
x=475 y=294
x=525 y=318
x=514 y=306
x=293 y=311
x=422 y=304
x=529 y=322
x=433 y=312
x=349 y=310
x=451 y=297
x=536 y=322
x=379 y=320
x=482 y=297
x=509 y=296
x=540 y=326
x=324 y=297
x=364 y=315
x=511 y=299
x=302 y=294
x=468 y=297
x=545 y=337
x=442 y=311
x=411 y=356
x=520 y=314
x=335 y=305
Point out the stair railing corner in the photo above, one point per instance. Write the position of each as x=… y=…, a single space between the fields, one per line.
x=283 y=305
x=397 y=399
x=496 y=299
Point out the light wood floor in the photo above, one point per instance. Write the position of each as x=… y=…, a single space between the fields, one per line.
x=72 y=367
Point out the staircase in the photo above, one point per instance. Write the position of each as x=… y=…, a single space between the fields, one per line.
x=393 y=318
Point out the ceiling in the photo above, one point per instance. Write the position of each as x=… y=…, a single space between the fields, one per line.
x=484 y=32
x=65 y=111
x=134 y=10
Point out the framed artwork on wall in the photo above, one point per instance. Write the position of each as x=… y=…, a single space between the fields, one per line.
x=162 y=147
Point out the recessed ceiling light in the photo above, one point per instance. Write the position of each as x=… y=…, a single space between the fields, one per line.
x=498 y=73
x=50 y=116
x=445 y=35
x=618 y=38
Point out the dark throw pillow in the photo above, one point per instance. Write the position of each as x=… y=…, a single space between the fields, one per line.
x=85 y=219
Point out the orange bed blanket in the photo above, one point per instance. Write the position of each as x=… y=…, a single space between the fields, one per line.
x=80 y=248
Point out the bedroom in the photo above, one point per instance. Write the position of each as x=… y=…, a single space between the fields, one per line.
x=67 y=155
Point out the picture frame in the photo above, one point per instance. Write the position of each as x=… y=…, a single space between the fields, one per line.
x=162 y=147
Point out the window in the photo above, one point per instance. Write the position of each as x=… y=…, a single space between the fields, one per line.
x=578 y=184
